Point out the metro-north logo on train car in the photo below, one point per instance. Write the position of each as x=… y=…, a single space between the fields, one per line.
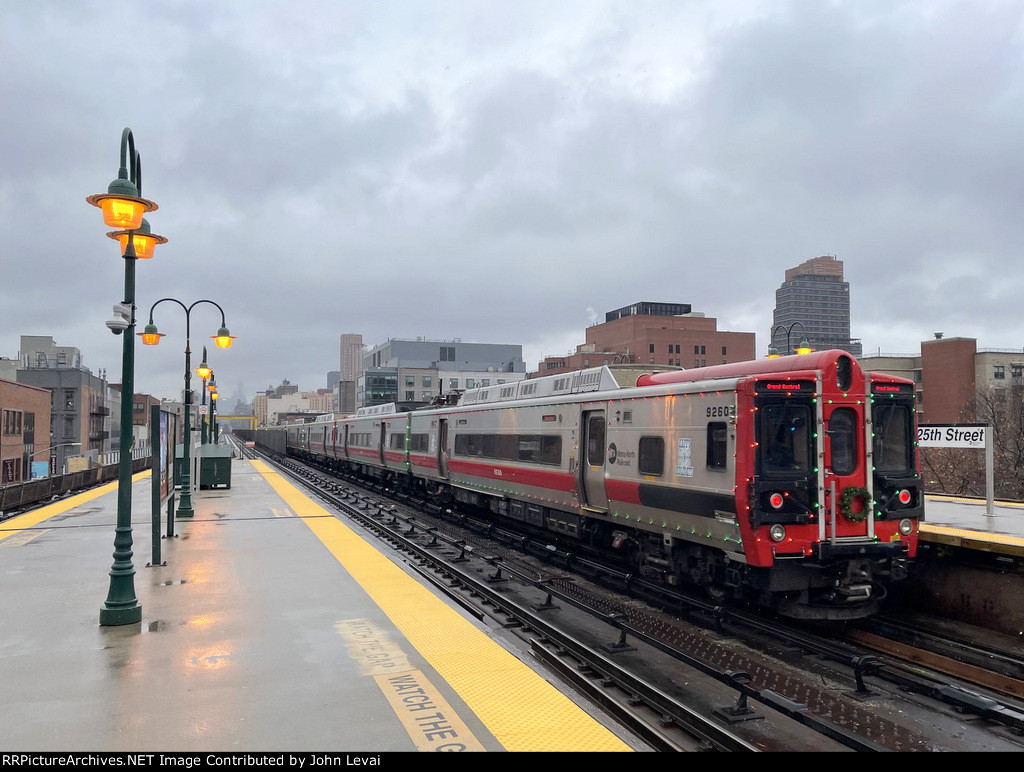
x=620 y=457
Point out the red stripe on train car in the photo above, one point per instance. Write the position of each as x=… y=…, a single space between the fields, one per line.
x=624 y=491
x=428 y=462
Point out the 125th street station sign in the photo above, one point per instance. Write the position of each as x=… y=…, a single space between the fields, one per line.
x=952 y=435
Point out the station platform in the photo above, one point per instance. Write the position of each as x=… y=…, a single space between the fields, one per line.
x=268 y=626
x=967 y=522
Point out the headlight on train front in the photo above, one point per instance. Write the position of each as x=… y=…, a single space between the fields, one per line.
x=777 y=532
x=906 y=526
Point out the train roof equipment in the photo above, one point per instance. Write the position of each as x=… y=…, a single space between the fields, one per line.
x=603 y=378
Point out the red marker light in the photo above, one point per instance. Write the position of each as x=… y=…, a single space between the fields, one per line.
x=776 y=500
x=903 y=496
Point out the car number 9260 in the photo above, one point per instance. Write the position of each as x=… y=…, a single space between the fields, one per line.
x=721 y=411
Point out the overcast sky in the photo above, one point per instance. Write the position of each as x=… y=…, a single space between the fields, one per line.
x=506 y=172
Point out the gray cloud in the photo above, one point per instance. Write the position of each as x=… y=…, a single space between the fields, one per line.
x=501 y=174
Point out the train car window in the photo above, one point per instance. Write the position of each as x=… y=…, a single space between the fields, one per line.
x=785 y=439
x=844 y=372
x=842 y=434
x=419 y=443
x=595 y=440
x=531 y=448
x=893 y=433
x=550 y=450
x=717 y=445
x=651 y=456
x=508 y=447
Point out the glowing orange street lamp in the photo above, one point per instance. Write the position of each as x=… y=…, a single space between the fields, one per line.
x=204 y=371
x=223 y=338
x=145 y=241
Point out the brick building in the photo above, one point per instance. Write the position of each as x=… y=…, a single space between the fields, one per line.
x=657 y=334
x=949 y=373
x=25 y=429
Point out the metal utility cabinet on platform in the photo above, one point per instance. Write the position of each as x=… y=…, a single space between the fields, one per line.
x=215 y=466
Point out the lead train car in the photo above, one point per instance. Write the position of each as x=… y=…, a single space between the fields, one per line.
x=792 y=482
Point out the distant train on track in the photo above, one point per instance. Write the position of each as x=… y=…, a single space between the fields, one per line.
x=791 y=482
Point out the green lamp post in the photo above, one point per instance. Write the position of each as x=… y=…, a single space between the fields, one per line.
x=123 y=207
x=223 y=339
x=803 y=348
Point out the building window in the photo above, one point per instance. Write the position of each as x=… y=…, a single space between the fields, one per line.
x=426 y=382
x=485 y=381
x=470 y=383
x=723 y=350
x=410 y=380
x=12 y=422
x=453 y=383
x=447 y=353
x=69 y=399
x=651 y=348
x=410 y=396
x=1000 y=372
x=696 y=349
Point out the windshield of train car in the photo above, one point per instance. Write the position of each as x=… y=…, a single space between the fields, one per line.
x=784 y=439
x=893 y=437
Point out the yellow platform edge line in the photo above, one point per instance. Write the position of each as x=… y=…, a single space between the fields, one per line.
x=19 y=523
x=522 y=710
x=971 y=537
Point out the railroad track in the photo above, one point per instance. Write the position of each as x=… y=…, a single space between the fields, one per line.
x=697 y=677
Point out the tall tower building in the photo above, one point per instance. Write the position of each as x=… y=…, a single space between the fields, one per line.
x=351 y=357
x=815 y=295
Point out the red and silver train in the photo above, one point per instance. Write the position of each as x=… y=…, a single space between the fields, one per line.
x=791 y=482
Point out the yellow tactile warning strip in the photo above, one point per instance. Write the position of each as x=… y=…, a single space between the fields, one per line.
x=522 y=710
x=1000 y=543
x=19 y=523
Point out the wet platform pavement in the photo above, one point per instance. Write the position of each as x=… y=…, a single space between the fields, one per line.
x=970 y=522
x=269 y=626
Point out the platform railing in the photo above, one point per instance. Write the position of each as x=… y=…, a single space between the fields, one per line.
x=22 y=494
